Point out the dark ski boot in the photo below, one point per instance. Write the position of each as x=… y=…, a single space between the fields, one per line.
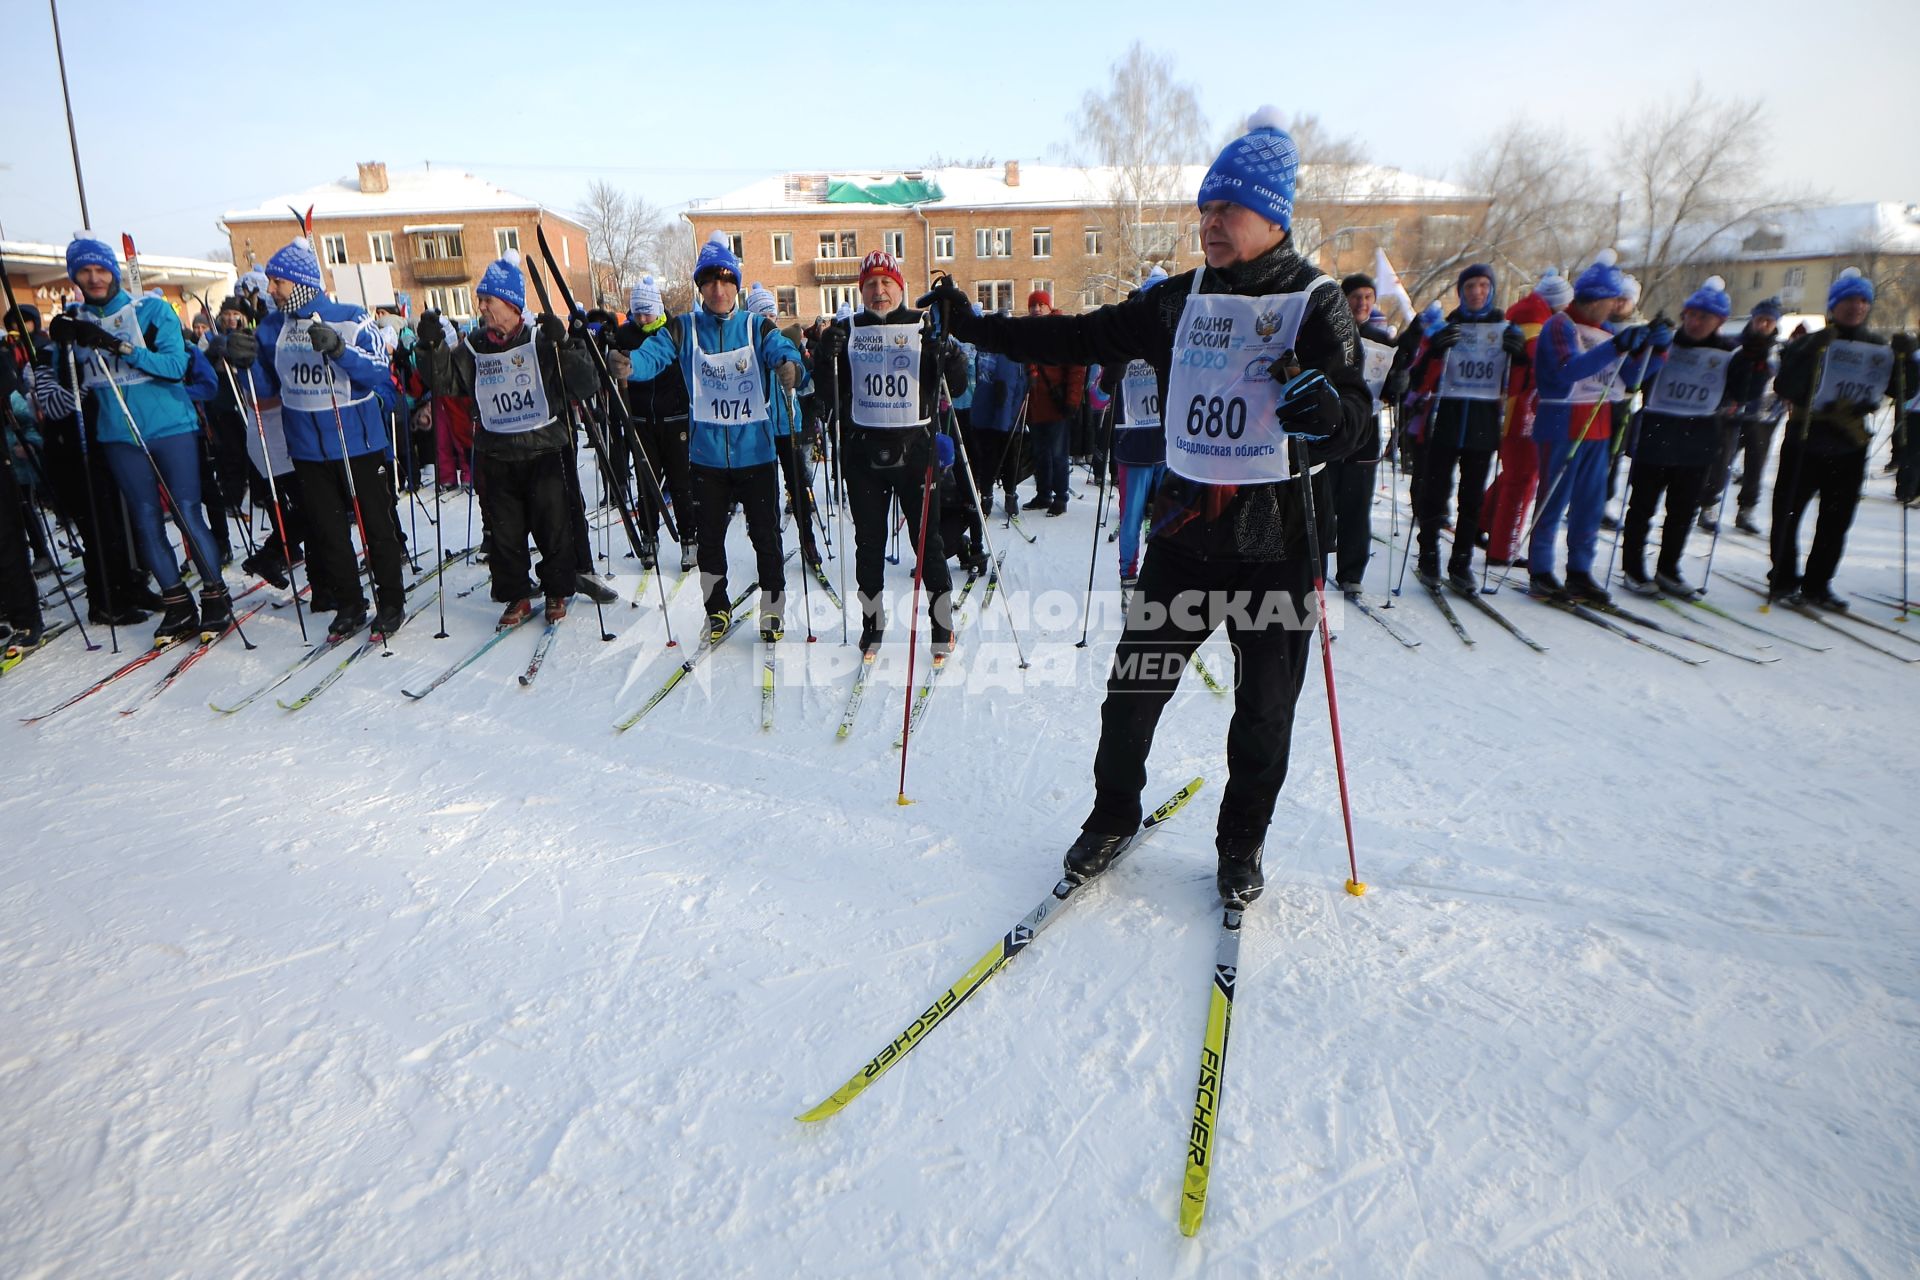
x=1239 y=879
x=1091 y=854
x=179 y=618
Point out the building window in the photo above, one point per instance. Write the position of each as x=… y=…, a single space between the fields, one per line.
x=1193 y=238
x=454 y=300
x=943 y=244
x=505 y=238
x=439 y=244
x=1091 y=242
x=993 y=242
x=994 y=295
x=834 y=296
x=737 y=245
x=380 y=246
x=782 y=246
x=839 y=244
x=895 y=243
x=1003 y=242
x=335 y=250
x=1153 y=241
x=1043 y=242
x=1796 y=277
x=786 y=300
x=566 y=251
x=1759 y=277
x=1090 y=297
x=1043 y=286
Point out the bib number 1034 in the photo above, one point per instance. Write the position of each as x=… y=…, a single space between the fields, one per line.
x=512 y=401
x=1214 y=416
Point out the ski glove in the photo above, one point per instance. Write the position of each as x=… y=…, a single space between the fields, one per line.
x=74 y=332
x=1661 y=335
x=1514 y=343
x=789 y=374
x=1445 y=338
x=619 y=365
x=1307 y=400
x=952 y=301
x=1902 y=344
x=551 y=329
x=430 y=333
x=326 y=340
x=1631 y=339
x=242 y=349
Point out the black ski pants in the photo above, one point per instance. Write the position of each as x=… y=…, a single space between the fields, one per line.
x=1267 y=608
x=871 y=485
x=664 y=442
x=529 y=496
x=1835 y=478
x=757 y=490
x=1353 y=518
x=1682 y=486
x=331 y=563
x=1435 y=487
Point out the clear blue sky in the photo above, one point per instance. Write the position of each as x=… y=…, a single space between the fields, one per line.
x=187 y=109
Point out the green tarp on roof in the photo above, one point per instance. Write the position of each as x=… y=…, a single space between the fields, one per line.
x=901 y=191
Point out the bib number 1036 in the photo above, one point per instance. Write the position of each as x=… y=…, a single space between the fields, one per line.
x=1214 y=416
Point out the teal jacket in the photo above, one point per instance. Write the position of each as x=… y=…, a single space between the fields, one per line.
x=160 y=407
x=728 y=445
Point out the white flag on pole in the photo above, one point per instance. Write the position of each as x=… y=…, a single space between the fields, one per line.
x=1386 y=284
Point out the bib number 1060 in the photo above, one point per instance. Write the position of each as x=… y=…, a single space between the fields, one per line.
x=1214 y=416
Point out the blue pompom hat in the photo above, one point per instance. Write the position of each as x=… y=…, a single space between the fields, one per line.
x=1256 y=170
x=85 y=251
x=295 y=262
x=1848 y=284
x=1712 y=297
x=715 y=255
x=1433 y=319
x=504 y=280
x=1603 y=279
x=1770 y=307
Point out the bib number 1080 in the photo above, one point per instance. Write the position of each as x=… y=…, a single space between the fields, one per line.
x=1214 y=416
x=890 y=386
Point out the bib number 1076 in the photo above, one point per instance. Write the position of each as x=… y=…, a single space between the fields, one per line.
x=1213 y=416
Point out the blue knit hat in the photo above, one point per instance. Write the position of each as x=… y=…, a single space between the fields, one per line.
x=715 y=254
x=85 y=251
x=1433 y=319
x=1712 y=297
x=1601 y=280
x=1478 y=271
x=1848 y=284
x=1772 y=308
x=296 y=263
x=1256 y=170
x=1154 y=277
x=504 y=280
x=943 y=450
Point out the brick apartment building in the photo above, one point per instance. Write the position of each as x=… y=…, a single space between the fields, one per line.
x=420 y=237
x=1006 y=231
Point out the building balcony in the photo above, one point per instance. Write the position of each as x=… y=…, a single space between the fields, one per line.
x=836 y=270
x=439 y=270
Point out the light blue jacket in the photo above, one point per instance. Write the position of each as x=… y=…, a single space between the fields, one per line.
x=730 y=445
x=161 y=407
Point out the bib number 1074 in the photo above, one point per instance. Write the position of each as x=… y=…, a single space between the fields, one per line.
x=1214 y=416
x=728 y=410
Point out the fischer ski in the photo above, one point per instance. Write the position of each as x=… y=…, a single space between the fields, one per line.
x=1213 y=1066
x=1205 y=675
x=737 y=612
x=1652 y=624
x=473 y=656
x=1814 y=615
x=305 y=660
x=938 y=664
x=15 y=654
x=1605 y=623
x=119 y=673
x=996 y=958
x=857 y=695
x=1678 y=609
x=1714 y=609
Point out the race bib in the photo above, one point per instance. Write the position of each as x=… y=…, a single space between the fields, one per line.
x=884 y=360
x=1853 y=371
x=1593 y=388
x=1476 y=365
x=1691 y=383
x=306 y=377
x=727 y=385
x=1376 y=363
x=1221 y=427
x=123 y=324
x=509 y=391
x=1140 y=396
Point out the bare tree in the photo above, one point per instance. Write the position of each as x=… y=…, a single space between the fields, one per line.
x=1335 y=178
x=1546 y=207
x=939 y=161
x=1690 y=170
x=622 y=230
x=671 y=252
x=1141 y=130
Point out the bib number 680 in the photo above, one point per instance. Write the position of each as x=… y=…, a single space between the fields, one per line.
x=1213 y=416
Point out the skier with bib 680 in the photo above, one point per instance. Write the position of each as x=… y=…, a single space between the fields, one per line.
x=1230 y=541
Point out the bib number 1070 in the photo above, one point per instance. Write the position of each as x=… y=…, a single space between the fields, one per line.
x=1214 y=416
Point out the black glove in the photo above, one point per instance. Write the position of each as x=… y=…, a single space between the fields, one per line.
x=74 y=332
x=551 y=329
x=1445 y=338
x=1632 y=338
x=628 y=337
x=1903 y=344
x=1514 y=343
x=1307 y=400
x=430 y=333
x=952 y=301
x=326 y=340
x=242 y=348
x=1396 y=387
x=577 y=326
x=828 y=348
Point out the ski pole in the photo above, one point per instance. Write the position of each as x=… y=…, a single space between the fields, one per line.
x=440 y=555
x=913 y=626
x=97 y=543
x=986 y=537
x=1099 y=526
x=1355 y=885
x=273 y=490
x=160 y=481
x=1566 y=467
x=353 y=494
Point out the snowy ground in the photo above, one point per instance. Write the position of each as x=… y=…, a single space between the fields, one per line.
x=477 y=987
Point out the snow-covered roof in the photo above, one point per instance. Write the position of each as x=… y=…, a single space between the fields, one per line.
x=1824 y=231
x=47 y=263
x=409 y=191
x=1052 y=186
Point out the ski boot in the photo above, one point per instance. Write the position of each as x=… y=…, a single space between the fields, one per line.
x=1460 y=578
x=1637 y=581
x=1745 y=523
x=1544 y=586
x=717 y=624
x=873 y=627
x=216 y=609
x=1670 y=581
x=267 y=567
x=179 y=619
x=595 y=588
x=556 y=608
x=1091 y=854
x=689 y=556
x=516 y=612
x=649 y=554
x=1427 y=571
x=1239 y=879
x=1582 y=589
x=387 y=619
x=1822 y=597
x=348 y=618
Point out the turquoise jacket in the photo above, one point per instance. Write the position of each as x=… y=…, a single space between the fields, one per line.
x=728 y=445
x=160 y=407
